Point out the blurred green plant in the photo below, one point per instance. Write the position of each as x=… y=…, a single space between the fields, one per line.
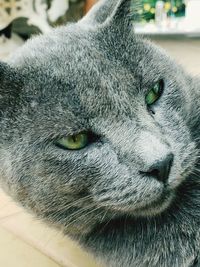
x=173 y=8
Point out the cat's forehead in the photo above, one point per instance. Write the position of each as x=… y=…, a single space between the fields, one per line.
x=72 y=51
x=74 y=46
x=85 y=72
x=75 y=62
x=93 y=85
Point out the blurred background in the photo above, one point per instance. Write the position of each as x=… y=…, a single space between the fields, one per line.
x=173 y=24
x=20 y=19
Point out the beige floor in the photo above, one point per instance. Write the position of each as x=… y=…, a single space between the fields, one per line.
x=15 y=252
x=24 y=242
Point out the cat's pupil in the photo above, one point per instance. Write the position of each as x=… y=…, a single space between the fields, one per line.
x=155 y=93
x=74 y=138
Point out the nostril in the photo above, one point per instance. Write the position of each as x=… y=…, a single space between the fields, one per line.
x=154 y=173
x=160 y=169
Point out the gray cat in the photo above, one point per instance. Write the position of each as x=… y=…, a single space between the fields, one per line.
x=100 y=138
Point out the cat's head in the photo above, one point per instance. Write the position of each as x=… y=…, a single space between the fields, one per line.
x=95 y=122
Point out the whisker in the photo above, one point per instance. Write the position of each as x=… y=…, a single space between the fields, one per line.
x=81 y=211
x=71 y=204
x=104 y=226
x=85 y=214
x=105 y=213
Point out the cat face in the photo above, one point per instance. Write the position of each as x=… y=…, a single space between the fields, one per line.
x=95 y=77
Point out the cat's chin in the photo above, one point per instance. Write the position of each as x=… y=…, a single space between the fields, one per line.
x=155 y=208
x=152 y=209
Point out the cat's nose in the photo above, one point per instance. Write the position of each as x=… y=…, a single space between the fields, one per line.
x=161 y=168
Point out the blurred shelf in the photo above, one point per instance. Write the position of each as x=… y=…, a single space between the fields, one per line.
x=168 y=33
x=171 y=27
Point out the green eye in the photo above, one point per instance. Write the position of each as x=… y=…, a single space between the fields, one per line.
x=74 y=142
x=155 y=93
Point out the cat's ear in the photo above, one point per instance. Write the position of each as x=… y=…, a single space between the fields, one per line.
x=111 y=13
x=10 y=84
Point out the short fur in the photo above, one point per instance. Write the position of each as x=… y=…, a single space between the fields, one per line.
x=93 y=75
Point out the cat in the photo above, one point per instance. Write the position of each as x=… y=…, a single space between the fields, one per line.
x=100 y=139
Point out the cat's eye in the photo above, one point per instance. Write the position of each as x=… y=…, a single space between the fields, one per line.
x=74 y=142
x=154 y=94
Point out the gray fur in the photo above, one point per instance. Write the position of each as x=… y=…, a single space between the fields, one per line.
x=94 y=75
